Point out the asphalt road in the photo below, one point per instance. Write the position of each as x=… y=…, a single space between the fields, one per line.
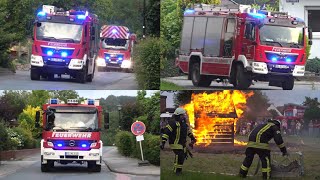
x=187 y=84
x=67 y=172
x=102 y=80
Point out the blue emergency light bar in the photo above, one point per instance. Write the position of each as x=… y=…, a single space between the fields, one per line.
x=53 y=101
x=189 y=11
x=90 y=102
x=41 y=13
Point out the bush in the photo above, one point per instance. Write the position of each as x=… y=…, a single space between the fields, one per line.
x=15 y=140
x=124 y=142
x=4 y=137
x=147 y=60
x=313 y=65
x=108 y=138
x=26 y=137
x=150 y=147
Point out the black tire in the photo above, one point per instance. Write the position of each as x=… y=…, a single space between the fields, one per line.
x=50 y=77
x=288 y=85
x=47 y=167
x=243 y=79
x=34 y=74
x=81 y=77
x=91 y=76
x=198 y=79
x=93 y=167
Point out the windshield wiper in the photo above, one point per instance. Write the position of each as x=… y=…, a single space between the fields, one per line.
x=66 y=39
x=273 y=42
x=84 y=129
x=48 y=38
x=294 y=44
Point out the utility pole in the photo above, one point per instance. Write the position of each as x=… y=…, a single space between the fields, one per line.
x=144 y=19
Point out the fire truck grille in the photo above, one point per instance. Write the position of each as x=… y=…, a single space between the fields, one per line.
x=281 y=57
x=57 y=52
x=72 y=144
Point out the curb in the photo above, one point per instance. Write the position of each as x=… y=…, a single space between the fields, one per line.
x=130 y=173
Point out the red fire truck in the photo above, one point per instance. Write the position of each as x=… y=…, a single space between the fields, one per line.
x=71 y=133
x=242 y=44
x=65 y=42
x=116 y=48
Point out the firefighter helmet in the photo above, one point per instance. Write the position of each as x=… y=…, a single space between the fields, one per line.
x=179 y=111
x=275 y=121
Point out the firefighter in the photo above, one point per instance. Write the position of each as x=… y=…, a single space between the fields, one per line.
x=258 y=144
x=176 y=132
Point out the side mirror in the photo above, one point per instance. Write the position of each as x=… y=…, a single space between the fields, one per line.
x=310 y=42
x=106 y=120
x=310 y=34
x=37 y=125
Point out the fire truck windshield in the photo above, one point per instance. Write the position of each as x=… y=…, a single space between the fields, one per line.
x=72 y=118
x=115 y=43
x=281 y=36
x=59 y=32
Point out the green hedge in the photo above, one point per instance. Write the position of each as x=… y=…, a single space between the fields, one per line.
x=128 y=146
x=124 y=143
x=4 y=137
x=26 y=137
x=147 y=62
x=313 y=65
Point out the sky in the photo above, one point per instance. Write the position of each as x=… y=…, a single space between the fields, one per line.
x=277 y=97
x=96 y=94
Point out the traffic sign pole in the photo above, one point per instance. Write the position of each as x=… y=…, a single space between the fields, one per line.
x=138 y=128
x=141 y=151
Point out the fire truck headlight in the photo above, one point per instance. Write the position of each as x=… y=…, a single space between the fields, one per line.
x=101 y=62
x=49 y=153
x=49 y=53
x=259 y=67
x=298 y=70
x=64 y=54
x=36 y=60
x=93 y=145
x=50 y=144
x=126 y=64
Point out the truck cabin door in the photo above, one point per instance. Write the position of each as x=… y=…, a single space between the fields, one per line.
x=228 y=38
x=249 y=40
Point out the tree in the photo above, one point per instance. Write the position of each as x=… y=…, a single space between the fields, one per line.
x=38 y=98
x=182 y=98
x=256 y=104
x=12 y=103
x=153 y=18
x=312 y=111
x=27 y=120
x=64 y=95
x=128 y=113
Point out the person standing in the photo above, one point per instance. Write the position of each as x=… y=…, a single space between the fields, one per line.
x=176 y=133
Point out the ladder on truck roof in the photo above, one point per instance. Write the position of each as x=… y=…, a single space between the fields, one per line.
x=218 y=8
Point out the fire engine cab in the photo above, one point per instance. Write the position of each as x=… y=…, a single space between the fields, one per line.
x=241 y=45
x=65 y=42
x=71 y=133
x=116 y=48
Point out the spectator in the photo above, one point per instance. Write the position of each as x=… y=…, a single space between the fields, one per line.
x=293 y=127
x=310 y=128
x=298 y=128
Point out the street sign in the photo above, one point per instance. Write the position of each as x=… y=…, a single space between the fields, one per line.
x=138 y=128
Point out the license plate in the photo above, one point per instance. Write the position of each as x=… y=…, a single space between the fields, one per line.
x=56 y=59
x=72 y=153
x=113 y=62
x=282 y=66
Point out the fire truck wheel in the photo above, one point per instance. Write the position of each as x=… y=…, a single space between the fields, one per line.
x=243 y=80
x=50 y=77
x=91 y=76
x=93 y=167
x=288 y=85
x=81 y=77
x=47 y=167
x=197 y=79
x=34 y=74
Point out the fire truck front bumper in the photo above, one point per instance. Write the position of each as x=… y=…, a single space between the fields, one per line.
x=51 y=69
x=277 y=69
x=67 y=155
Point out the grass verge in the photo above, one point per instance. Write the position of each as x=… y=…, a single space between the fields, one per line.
x=169 y=86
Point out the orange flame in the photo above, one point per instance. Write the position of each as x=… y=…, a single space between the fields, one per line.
x=212 y=116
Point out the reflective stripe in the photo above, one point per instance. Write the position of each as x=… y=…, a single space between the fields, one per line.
x=264 y=170
x=243 y=167
x=175 y=163
x=176 y=146
x=262 y=131
x=268 y=168
x=258 y=145
x=169 y=127
x=179 y=166
x=176 y=141
x=281 y=145
x=185 y=149
x=165 y=136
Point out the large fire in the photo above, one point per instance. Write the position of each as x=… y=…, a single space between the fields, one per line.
x=213 y=117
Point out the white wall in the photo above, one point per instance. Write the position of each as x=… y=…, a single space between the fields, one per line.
x=300 y=10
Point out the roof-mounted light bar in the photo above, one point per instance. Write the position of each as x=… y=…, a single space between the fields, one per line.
x=72 y=101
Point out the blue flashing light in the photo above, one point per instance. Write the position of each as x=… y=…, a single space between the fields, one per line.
x=49 y=53
x=64 y=54
x=53 y=101
x=189 y=11
x=107 y=57
x=257 y=15
x=120 y=58
x=59 y=145
x=288 y=60
x=114 y=31
x=90 y=102
x=83 y=145
x=41 y=13
x=82 y=17
x=274 y=59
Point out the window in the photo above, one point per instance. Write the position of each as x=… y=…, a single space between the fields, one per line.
x=250 y=31
x=313 y=20
x=230 y=26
